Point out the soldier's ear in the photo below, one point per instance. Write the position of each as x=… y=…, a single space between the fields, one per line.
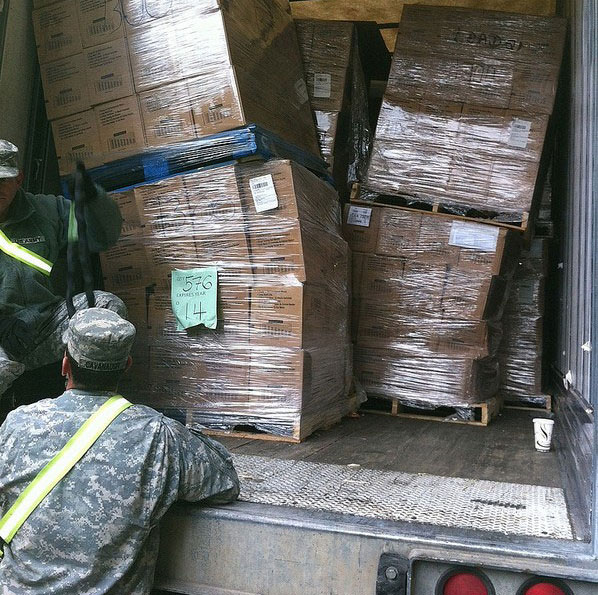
x=129 y=363
x=66 y=365
x=20 y=178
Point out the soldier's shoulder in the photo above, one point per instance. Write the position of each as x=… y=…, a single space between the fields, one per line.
x=44 y=409
x=46 y=204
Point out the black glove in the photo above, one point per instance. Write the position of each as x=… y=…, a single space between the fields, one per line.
x=89 y=188
x=15 y=337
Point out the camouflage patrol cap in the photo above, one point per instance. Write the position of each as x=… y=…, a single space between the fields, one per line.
x=9 y=160
x=99 y=339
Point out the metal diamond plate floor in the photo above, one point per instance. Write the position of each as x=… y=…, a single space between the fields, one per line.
x=509 y=508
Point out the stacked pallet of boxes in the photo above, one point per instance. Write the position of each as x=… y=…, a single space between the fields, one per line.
x=262 y=240
x=278 y=359
x=120 y=76
x=462 y=129
x=338 y=96
x=522 y=348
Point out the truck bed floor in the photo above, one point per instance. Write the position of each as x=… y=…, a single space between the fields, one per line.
x=485 y=478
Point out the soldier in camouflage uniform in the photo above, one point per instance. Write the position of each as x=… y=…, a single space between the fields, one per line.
x=97 y=530
x=33 y=316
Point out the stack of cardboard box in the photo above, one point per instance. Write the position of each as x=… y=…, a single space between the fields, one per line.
x=279 y=359
x=523 y=374
x=521 y=350
x=120 y=76
x=338 y=97
x=462 y=126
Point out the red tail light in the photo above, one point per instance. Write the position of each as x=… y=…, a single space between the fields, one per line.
x=464 y=582
x=539 y=586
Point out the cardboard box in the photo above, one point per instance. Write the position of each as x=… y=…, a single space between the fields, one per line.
x=388 y=326
x=126 y=265
x=281 y=189
x=166 y=113
x=239 y=70
x=299 y=315
x=308 y=383
x=233 y=318
x=447 y=381
x=300 y=250
x=65 y=86
x=56 y=29
x=326 y=48
x=100 y=21
x=109 y=72
x=199 y=380
x=431 y=238
x=77 y=138
x=441 y=291
x=120 y=128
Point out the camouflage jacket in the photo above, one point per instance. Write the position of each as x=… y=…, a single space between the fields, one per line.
x=40 y=223
x=97 y=531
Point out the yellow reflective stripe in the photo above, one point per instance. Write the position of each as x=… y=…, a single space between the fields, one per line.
x=60 y=465
x=24 y=255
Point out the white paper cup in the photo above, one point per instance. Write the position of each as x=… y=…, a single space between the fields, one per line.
x=542 y=433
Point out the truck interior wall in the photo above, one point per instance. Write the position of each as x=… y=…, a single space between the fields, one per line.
x=17 y=67
x=575 y=266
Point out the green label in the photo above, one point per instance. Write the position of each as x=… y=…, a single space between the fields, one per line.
x=194 y=297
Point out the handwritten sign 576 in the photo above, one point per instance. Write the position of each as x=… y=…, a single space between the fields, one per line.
x=194 y=297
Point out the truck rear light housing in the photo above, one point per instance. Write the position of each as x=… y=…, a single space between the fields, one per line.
x=544 y=586
x=464 y=581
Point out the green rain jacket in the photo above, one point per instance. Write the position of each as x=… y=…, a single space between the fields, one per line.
x=40 y=223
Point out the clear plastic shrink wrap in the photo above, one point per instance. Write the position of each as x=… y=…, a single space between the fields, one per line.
x=428 y=296
x=338 y=96
x=121 y=76
x=466 y=109
x=280 y=357
x=521 y=350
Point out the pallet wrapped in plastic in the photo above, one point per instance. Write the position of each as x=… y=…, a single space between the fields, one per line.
x=279 y=358
x=427 y=288
x=426 y=383
x=521 y=350
x=338 y=96
x=466 y=110
x=170 y=72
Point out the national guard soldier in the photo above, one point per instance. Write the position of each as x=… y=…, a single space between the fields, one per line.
x=33 y=231
x=96 y=531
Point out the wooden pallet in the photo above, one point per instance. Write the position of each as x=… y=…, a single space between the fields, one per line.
x=544 y=405
x=303 y=427
x=438 y=208
x=247 y=434
x=482 y=413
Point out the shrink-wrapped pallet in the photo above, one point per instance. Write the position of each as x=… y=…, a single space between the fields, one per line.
x=124 y=76
x=279 y=357
x=466 y=110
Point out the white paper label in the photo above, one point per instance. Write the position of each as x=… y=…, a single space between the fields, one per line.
x=474 y=236
x=519 y=133
x=264 y=193
x=322 y=120
x=322 y=84
x=359 y=216
x=301 y=91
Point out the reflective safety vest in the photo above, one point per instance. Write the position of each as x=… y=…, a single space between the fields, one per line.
x=24 y=255
x=59 y=466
